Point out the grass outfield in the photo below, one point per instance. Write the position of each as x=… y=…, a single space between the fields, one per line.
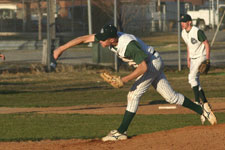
x=85 y=87
x=35 y=127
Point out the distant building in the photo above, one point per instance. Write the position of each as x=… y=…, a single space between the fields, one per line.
x=8 y=11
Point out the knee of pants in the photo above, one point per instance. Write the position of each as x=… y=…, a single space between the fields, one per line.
x=175 y=98
x=132 y=102
x=192 y=80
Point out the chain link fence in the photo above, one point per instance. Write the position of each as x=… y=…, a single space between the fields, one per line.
x=23 y=23
x=143 y=16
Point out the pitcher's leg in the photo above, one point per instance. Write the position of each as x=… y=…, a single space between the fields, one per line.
x=141 y=85
x=133 y=99
x=137 y=90
x=163 y=87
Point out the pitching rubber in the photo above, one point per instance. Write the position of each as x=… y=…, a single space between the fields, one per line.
x=167 y=107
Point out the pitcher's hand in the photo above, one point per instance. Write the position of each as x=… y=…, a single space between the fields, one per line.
x=56 y=53
x=2 y=56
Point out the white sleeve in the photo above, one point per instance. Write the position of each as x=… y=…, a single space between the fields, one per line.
x=183 y=37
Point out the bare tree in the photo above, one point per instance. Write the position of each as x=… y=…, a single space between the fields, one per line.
x=124 y=14
x=39 y=12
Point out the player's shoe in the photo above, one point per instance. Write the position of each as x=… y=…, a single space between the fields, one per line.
x=203 y=119
x=207 y=113
x=198 y=103
x=114 y=135
x=209 y=105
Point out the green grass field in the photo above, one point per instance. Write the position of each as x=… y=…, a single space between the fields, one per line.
x=35 y=127
x=77 y=87
x=84 y=87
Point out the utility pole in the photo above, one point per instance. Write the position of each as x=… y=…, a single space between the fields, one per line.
x=89 y=20
x=115 y=24
x=24 y=20
x=51 y=35
x=178 y=33
x=72 y=16
x=160 y=14
x=213 y=15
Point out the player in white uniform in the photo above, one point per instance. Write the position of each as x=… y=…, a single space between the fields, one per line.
x=149 y=71
x=198 y=50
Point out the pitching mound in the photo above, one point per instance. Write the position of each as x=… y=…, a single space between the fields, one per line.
x=193 y=137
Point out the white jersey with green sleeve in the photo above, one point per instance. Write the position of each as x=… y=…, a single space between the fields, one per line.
x=131 y=49
x=134 y=51
x=194 y=44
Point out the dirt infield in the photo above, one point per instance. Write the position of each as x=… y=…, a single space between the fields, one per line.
x=188 y=138
x=192 y=137
x=111 y=109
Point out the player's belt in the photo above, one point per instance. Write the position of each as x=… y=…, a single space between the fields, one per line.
x=153 y=52
x=195 y=58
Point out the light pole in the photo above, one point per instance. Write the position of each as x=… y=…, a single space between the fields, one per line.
x=178 y=34
x=49 y=42
x=51 y=35
x=115 y=23
x=89 y=20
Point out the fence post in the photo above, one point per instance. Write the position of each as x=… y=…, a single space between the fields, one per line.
x=178 y=32
x=44 y=52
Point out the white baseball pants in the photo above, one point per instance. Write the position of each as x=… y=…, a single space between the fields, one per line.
x=153 y=76
x=193 y=77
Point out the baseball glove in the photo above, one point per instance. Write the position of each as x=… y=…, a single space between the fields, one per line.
x=204 y=67
x=113 y=80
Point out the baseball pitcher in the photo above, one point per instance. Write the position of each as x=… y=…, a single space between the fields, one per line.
x=149 y=71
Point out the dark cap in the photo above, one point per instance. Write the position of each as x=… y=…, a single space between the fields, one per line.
x=185 y=18
x=107 y=31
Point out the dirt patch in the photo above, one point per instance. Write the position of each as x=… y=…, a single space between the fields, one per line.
x=112 y=109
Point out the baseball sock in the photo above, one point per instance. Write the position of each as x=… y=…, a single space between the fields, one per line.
x=128 y=116
x=196 y=92
x=202 y=96
x=195 y=107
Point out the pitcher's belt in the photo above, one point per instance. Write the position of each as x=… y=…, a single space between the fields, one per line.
x=153 y=52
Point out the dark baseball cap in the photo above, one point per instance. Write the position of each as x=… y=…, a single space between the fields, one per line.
x=107 y=31
x=185 y=18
